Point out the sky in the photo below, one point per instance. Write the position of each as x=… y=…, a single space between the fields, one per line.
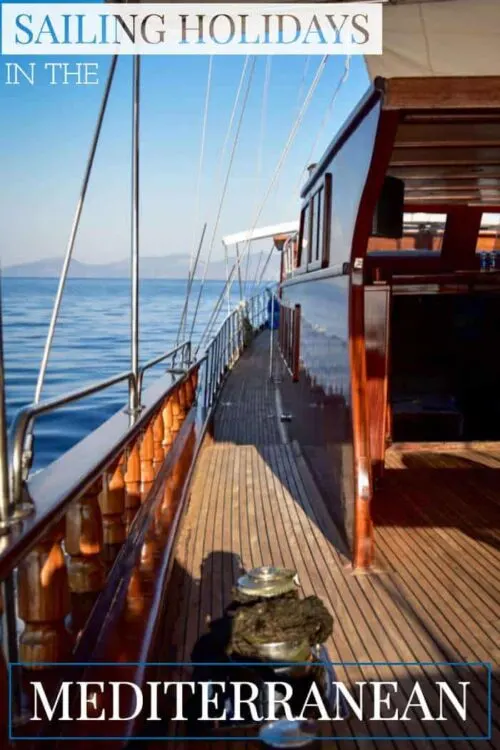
x=46 y=131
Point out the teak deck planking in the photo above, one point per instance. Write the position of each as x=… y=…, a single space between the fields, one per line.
x=435 y=592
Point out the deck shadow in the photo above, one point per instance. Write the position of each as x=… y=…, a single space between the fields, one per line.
x=463 y=498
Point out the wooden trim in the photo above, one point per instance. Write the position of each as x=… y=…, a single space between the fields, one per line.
x=484 y=446
x=363 y=547
x=441 y=93
x=296 y=344
x=327 y=219
x=301 y=235
x=310 y=204
x=458 y=249
x=443 y=208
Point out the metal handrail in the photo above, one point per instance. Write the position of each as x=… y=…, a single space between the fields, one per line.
x=26 y=416
x=161 y=358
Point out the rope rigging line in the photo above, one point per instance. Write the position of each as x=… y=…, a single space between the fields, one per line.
x=256 y=281
x=185 y=312
x=74 y=230
x=260 y=150
x=223 y=195
x=328 y=111
x=233 y=115
x=279 y=166
x=194 y=254
x=307 y=62
x=269 y=256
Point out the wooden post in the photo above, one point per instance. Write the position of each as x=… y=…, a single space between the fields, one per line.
x=296 y=343
x=44 y=601
x=188 y=393
x=168 y=424
x=132 y=484
x=84 y=545
x=146 y=453
x=158 y=435
x=112 y=505
x=176 y=413
x=183 y=407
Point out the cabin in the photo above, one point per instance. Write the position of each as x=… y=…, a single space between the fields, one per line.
x=396 y=282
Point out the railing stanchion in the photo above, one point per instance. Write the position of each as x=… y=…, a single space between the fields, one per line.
x=134 y=404
x=271 y=332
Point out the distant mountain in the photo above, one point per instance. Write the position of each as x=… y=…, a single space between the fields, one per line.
x=166 y=267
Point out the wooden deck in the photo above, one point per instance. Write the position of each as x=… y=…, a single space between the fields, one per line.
x=435 y=596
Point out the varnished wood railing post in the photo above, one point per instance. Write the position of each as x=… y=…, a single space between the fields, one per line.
x=158 y=434
x=168 y=424
x=84 y=545
x=44 y=601
x=183 y=407
x=176 y=412
x=112 y=504
x=188 y=393
x=132 y=483
x=146 y=453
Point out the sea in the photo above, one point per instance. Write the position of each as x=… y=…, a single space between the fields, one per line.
x=92 y=342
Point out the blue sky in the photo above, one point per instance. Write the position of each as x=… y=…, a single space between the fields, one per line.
x=45 y=133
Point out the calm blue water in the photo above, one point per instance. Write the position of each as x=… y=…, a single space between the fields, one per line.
x=92 y=342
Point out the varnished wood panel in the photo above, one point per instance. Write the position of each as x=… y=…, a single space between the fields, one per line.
x=377 y=310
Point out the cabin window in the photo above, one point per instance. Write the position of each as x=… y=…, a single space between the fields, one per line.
x=313 y=246
x=314 y=250
x=303 y=253
x=489 y=234
x=321 y=225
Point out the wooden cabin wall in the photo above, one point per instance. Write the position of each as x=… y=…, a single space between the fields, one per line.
x=320 y=402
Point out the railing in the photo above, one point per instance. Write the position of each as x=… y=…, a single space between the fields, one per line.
x=22 y=456
x=104 y=515
x=232 y=337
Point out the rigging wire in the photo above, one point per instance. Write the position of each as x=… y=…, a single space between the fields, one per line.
x=256 y=281
x=223 y=195
x=194 y=253
x=279 y=166
x=269 y=256
x=73 y=232
x=233 y=114
x=307 y=62
x=260 y=150
x=220 y=162
x=324 y=120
